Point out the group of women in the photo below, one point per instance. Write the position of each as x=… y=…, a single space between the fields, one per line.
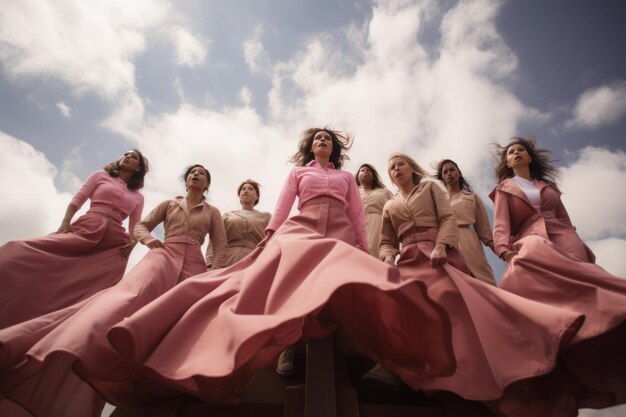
x=74 y=332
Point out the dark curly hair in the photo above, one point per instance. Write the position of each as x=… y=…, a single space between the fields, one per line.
x=136 y=180
x=463 y=184
x=255 y=185
x=188 y=171
x=341 y=143
x=376 y=181
x=541 y=167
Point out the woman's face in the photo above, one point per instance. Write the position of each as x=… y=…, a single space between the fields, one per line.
x=517 y=156
x=247 y=194
x=450 y=174
x=365 y=176
x=400 y=171
x=130 y=162
x=197 y=179
x=322 y=145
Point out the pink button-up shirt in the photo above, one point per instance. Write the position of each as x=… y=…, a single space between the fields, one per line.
x=110 y=192
x=313 y=181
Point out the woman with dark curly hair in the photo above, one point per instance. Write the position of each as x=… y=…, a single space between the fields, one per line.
x=64 y=355
x=548 y=262
x=374 y=195
x=471 y=217
x=45 y=274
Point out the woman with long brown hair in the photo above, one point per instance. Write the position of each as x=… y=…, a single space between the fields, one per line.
x=41 y=275
x=374 y=195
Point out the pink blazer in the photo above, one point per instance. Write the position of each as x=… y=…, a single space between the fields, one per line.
x=515 y=217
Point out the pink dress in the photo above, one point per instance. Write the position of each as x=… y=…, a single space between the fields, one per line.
x=51 y=364
x=555 y=267
x=38 y=276
x=497 y=338
x=373 y=203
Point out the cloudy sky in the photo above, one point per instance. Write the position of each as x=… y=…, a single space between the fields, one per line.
x=233 y=84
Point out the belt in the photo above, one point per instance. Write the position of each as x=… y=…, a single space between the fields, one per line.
x=182 y=239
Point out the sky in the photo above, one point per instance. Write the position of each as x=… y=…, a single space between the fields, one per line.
x=232 y=85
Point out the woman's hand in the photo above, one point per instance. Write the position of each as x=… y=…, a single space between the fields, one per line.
x=154 y=243
x=268 y=236
x=127 y=249
x=508 y=255
x=389 y=260
x=438 y=257
x=65 y=228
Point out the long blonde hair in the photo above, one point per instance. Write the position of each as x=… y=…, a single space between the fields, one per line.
x=418 y=171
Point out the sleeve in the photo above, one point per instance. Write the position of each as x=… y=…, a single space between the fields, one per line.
x=135 y=215
x=144 y=227
x=560 y=212
x=501 y=222
x=389 y=244
x=218 y=243
x=87 y=189
x=482 y=227
x=208 y=257
x=356 y=215
x=448 y=232
x=285 y=201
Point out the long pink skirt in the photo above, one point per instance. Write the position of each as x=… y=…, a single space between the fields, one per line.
x=436 y=328
x=50 y=364
x=593 y=369
x=38 y=276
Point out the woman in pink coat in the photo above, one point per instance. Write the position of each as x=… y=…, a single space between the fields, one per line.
x=41 y=275
x=62 y=364
x=548 y=262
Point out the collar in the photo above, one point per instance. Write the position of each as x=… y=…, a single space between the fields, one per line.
x=314 y=163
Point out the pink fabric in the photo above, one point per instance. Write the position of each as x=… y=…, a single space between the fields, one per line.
x=555 y=267
x=41 y=275
x=60 y=356
x=313 y=181
x=109 y=192
x=209 y=334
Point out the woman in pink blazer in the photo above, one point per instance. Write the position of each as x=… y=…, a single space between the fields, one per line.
x=548 y=262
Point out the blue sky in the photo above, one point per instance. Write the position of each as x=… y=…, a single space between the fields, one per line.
x=233 y=84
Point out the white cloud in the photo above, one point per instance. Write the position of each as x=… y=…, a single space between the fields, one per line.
x=31 y=204
x=610 y=255
x=246 y=96
x=599 y=106
x=65 y=110
x=190 y=51
x=255 y=54
x=617 y=411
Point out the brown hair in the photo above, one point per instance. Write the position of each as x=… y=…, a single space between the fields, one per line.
x=376 y=181
x=540 y=167
x=463 y=184
x=188 y=171
x=341 y=143
x=135 y=182
x=255 y=185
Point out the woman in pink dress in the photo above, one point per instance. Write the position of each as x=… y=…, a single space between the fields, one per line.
x=374 y=195
x=497 y=338
x=548 y=262
x=471 y=217
x=52 y=364
x=41 y=275
x=244 y=228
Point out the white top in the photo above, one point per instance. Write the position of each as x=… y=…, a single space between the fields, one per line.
x=530 y=189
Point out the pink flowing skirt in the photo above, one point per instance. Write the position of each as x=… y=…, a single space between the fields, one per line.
x=38 y=276
x=51 y=364
x=593 y=370
x=437 y=328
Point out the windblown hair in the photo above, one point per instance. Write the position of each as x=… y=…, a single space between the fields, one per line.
x=463 y=184
x=188 y=171
x=541 y=167
x=135 y=182
x=255 y=185
x=376 y=181
x=341 y=143
x=418 y=172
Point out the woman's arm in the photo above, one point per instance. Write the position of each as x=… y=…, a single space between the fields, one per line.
x=502 y=226
x=482 y=226
x=143 y=228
